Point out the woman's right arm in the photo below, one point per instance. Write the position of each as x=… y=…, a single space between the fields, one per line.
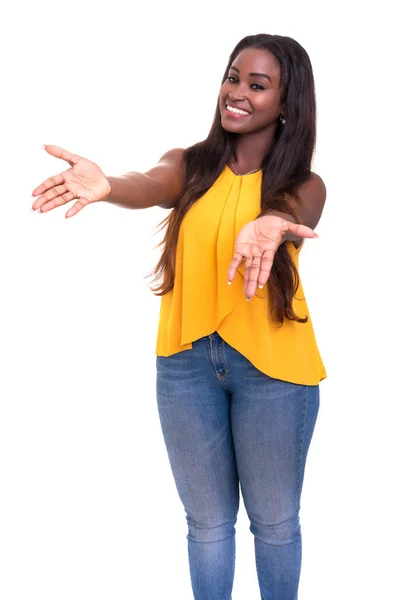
x=160 y=186
x=86 y=182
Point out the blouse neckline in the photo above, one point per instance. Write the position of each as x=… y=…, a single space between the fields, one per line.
x=244 y=175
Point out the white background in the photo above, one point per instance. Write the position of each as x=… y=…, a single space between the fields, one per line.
x=88 y=506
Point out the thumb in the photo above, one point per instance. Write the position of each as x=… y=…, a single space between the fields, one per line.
x=59 y=152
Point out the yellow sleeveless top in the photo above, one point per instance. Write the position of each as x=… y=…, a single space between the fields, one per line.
x=202 y=302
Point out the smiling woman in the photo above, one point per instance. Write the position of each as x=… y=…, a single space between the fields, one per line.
x=238 y=366
x=232 y=374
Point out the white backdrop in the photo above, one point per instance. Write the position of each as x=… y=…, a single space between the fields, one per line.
x=88 y=506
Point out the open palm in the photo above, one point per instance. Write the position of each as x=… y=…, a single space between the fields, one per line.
x=257 y=243
x=84 y=181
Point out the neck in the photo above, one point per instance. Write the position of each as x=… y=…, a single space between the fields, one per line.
x=251 y=148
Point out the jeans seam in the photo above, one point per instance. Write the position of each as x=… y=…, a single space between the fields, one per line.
x=301 y=450
x=220 y=342
x=220 y=378
x=223 y=356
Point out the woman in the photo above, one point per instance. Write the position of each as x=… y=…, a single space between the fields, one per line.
x=238 y=367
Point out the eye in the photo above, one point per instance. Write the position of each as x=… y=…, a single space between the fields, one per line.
x=255 y=86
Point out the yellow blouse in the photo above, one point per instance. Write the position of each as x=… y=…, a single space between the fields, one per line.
x=202 y=302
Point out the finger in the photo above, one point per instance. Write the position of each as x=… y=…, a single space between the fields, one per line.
x=77 y=207
x=71 y=159
x=59 y=201
x=266 y=266
x=301 y=230
x=50 y=183
x=84 y=195
x=248 y=265
x=233 y=266
x=59 y=191
x=75 y=191
x=252 y=271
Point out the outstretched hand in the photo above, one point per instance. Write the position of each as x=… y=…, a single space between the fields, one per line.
x=257 y=243
x=84 y=181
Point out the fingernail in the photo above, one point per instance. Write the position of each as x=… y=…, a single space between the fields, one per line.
x=248 y=299
x=229 y=282
x=260 y=286
x=43 y=145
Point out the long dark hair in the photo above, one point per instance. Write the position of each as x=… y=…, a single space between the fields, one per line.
x=284 y=167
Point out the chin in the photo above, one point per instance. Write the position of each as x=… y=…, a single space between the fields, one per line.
x=232 y=127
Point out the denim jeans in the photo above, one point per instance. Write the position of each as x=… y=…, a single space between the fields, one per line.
x=225 y=422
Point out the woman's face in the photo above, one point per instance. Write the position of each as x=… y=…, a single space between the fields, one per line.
x=249 y=99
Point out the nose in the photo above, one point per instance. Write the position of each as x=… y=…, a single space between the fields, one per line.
x=238 y=93
x=236 y=98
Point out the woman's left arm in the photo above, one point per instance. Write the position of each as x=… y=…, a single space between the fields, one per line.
x=312 y=194
x=258 y=241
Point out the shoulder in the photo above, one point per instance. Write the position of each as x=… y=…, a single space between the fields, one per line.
x=173 y=158
x=313 y=189
x=310 y=202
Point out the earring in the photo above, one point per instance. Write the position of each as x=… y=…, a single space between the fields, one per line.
x=283 y=120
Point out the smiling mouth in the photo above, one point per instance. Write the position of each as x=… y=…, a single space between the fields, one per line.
x=236 y=111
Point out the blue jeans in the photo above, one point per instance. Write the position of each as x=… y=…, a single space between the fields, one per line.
x=226 y=422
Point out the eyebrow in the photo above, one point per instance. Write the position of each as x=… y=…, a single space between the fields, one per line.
x=254 y=74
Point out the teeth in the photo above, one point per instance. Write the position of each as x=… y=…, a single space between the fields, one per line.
x=237 y=110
